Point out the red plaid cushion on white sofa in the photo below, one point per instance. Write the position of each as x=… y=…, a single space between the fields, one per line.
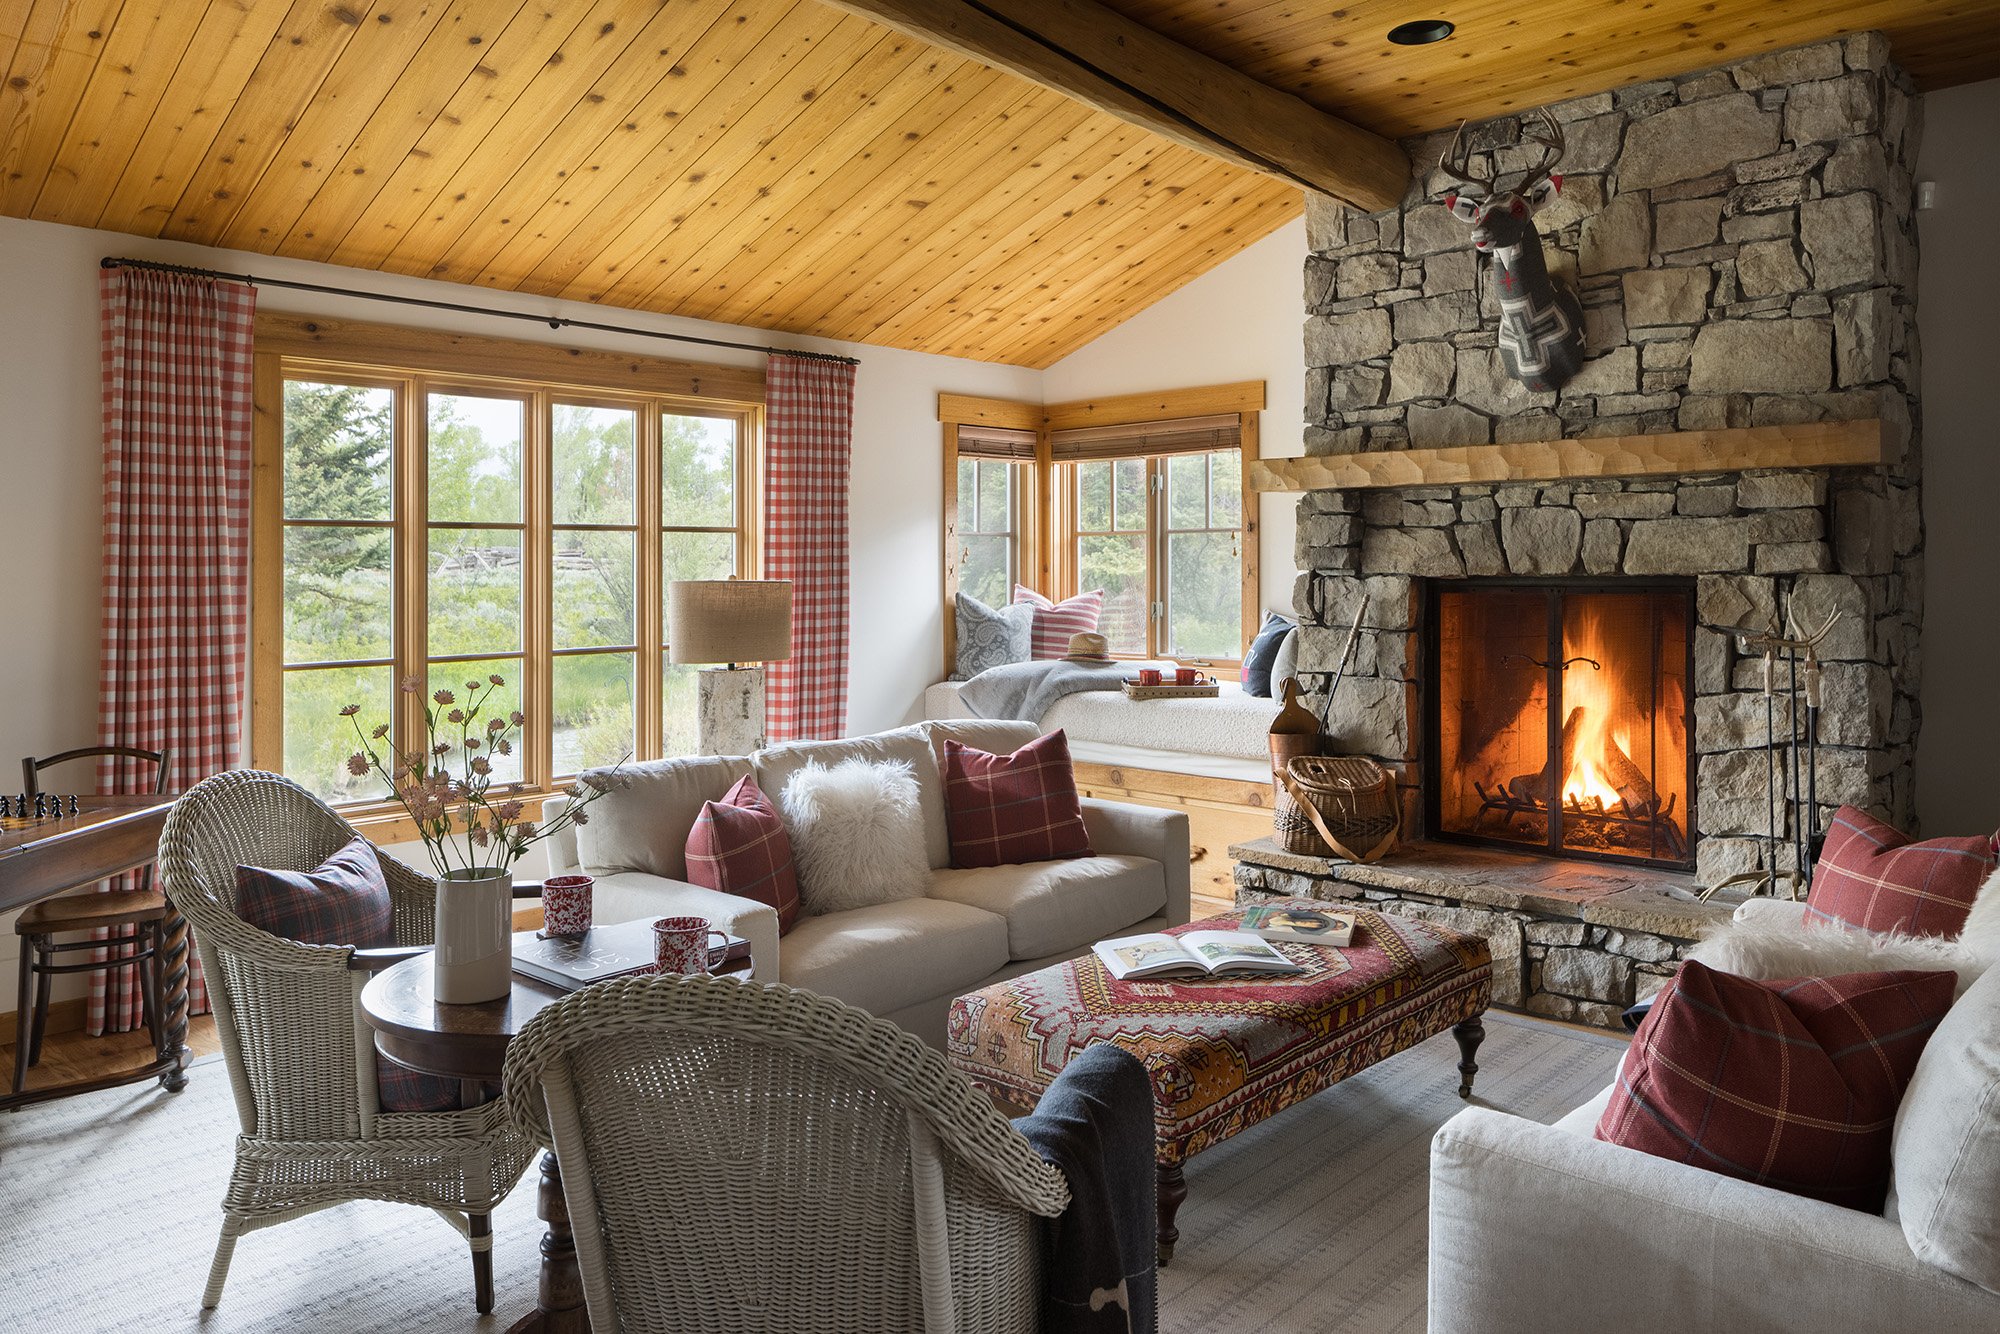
x=1871 y=876
x=1007 y=809
x=739 y=846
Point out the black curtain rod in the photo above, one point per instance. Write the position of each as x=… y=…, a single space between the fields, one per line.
x=553 y=321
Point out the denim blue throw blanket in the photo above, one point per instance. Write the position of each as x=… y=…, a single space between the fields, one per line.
x=1095 y=1124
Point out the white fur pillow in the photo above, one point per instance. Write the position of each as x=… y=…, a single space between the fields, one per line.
x=857 y=834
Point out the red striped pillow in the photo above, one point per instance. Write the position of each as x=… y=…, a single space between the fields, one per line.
x=1006 y=809
x=1792 y=1084
x=1055 y=622
x=1871 y=876
x=739 y=846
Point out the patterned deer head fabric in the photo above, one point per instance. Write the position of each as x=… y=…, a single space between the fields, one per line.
x=1541 y=321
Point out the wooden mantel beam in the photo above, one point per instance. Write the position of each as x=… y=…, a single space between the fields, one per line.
x=1807 y=445
x=1107 y=61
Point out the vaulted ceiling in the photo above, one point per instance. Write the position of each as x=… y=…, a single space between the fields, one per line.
x=777 y=163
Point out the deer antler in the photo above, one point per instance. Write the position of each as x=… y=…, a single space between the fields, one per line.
x=1457 y=173
x=1554 y=144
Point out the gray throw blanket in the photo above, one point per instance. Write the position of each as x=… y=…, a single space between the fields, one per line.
x=1095 y=1124
x=1027 y=690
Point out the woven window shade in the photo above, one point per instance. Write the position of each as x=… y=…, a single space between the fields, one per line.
x=1186 y=435
x=996 y=442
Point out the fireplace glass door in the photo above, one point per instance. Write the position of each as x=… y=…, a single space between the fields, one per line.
x=1560 y=716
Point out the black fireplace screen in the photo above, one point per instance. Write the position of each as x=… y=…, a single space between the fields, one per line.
x=1560 y=717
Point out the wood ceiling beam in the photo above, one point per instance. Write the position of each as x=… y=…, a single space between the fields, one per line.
x=1106 y=61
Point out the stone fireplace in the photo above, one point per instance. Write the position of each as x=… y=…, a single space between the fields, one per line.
x=1743 y=243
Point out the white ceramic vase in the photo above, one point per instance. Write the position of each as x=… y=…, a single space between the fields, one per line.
x=473 y=960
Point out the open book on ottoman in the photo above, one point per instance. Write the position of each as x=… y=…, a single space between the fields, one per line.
x=1191 y=954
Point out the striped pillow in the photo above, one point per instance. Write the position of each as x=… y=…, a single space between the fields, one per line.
x=1790 y=1084
x=739 y=846
x=1872 y=877
x=1007 y=809
x=1055 y=622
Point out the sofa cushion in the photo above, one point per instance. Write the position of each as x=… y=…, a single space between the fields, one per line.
x=990 y=636
x=857 y=831
x=1055 y=622
x=1013 y=808
x=1947 y=1142
x=342 y=901
x=1059 y=907
x=1263 y=654
x=642 y=823
x=891 y=955
x=995 y=735
x=738 y=846
x=1793 y=1084
x=775 y=766
x=1870 y=875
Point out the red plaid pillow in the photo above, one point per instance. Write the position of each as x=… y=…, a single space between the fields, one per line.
x=342 y=901
x=1055 y=622
x=1791 y=1084
x=1872 y=877
x=738 y=846
x=1005 y=809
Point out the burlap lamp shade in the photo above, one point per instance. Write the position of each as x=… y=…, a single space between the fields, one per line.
x=729 y=620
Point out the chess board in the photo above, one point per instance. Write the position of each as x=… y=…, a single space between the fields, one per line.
x=51 y=821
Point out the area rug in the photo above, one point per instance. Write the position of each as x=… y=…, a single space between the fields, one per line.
x=1313 y=1220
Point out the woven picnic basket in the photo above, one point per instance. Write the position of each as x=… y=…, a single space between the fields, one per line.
x=1341 y=806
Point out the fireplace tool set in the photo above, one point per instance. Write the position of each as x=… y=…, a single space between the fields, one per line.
x=1791 y=767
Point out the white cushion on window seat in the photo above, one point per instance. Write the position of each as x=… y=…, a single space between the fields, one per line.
x=1061 y=906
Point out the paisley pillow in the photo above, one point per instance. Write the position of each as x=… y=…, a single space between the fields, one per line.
x=991 y=636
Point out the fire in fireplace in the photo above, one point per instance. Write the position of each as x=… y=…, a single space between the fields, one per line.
x=1560 y=715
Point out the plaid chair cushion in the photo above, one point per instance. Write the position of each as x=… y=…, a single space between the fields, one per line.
x=739 y=846
x=1055 y=622
x=342 y=901
x=1791 y=1084
x=1005 y=809
x=1872 y=877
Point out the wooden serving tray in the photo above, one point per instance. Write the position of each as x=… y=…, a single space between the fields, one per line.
x=1133 y=691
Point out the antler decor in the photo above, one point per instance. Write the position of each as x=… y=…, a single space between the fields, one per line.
x=1541 y=322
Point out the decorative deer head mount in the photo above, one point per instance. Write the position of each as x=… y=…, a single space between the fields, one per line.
x=1541 y=321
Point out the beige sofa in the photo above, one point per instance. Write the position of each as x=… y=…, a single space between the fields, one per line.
x=902 y=961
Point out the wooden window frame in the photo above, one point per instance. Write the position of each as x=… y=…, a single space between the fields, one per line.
x=414 y=363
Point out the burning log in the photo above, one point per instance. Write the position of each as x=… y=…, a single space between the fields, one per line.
x=1637 y=791
x=1542 y=787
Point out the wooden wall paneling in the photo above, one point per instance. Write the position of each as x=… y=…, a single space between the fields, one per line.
x=852 y=272
x=140 y=56
x=754 y=256
x=389 y=77
x=1096 y=55
x=1242 y=396
x=831 y=121
x=1220 y=812
x=817 y=102
x=604 y=74
x=294 y=66
x=359 y=225
x=45 y=81
x=644 y=142
x=184 y=121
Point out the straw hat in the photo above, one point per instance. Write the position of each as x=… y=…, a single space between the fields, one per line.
x=1088 y=648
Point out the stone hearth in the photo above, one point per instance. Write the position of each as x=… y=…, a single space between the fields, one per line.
x=1570 y=940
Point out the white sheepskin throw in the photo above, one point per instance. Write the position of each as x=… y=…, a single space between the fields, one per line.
x=1775 y=944
x=857 y=834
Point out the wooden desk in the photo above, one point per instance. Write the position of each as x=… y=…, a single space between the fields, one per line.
x=470 y=1042
x=108 y=835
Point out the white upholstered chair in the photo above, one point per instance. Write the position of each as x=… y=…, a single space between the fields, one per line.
x=301 y=1062
x=743 y=1155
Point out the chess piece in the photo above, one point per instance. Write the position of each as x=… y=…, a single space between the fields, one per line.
x=72 y=803
x=21 y=805
x=41 y=806
x=5 y=809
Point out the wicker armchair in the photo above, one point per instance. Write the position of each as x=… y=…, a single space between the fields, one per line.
x=751 y=1157
x=301 y=1062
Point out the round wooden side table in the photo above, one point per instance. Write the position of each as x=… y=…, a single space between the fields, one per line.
x=469 y=1042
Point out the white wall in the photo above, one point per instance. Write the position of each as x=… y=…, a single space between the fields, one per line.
x=1239 y=321
x=1958 y=295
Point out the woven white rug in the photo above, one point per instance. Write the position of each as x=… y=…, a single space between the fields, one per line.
x=1311 y=1221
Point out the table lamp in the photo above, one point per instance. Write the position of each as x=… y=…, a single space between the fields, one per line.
x=731 y=622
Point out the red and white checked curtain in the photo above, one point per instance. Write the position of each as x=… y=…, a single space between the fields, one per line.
x=809 y=443
x=175 y=632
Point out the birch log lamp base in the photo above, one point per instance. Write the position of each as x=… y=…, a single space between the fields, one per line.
x=736 y=624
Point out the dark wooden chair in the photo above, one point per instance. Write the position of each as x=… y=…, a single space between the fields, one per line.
x=132 y=916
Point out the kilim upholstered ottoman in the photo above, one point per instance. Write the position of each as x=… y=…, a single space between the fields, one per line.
x=1224 y=1053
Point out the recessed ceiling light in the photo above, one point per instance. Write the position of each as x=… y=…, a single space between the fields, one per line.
x=1421 y=32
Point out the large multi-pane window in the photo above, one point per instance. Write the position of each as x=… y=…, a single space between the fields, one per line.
x=989 y=528
x=458 y=530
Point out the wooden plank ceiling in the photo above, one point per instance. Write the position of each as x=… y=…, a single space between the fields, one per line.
x=776 y=163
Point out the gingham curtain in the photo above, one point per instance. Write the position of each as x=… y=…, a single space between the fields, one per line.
x=177 y=357
x=809 y=443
